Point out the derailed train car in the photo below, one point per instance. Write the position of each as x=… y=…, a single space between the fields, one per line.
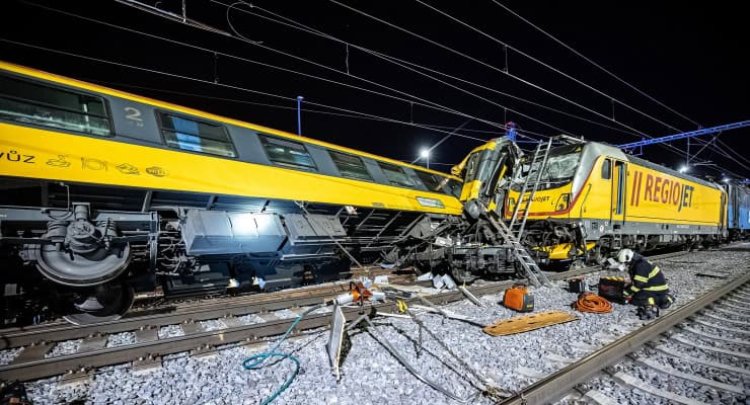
x=594 y=199
x=105 y=192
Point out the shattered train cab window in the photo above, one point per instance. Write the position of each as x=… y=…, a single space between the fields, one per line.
x=287 y=153
x=188 y=134
x=39 y=104
x=560 y=169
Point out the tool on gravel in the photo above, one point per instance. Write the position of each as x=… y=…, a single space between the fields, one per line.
x=590 y=302
x=526 y=323
x=518 y=298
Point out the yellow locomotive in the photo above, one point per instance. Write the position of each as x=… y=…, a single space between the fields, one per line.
x=592 y=199
x=104 y=190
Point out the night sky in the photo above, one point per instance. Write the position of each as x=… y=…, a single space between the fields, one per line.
x=691 y=58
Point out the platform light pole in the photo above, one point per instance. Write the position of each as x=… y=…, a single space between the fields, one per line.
x=425 y=154
x=299 y=115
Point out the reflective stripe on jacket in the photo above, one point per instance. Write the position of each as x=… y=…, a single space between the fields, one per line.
x=647 y=277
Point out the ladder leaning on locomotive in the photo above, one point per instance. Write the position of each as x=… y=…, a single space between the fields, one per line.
x=104 y=192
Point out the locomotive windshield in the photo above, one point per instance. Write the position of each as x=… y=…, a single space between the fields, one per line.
x=562 y=164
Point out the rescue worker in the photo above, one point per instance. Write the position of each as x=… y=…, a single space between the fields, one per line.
x=648 y=289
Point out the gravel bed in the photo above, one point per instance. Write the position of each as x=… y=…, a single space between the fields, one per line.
x=729 y=334
x=719 y=344
x=49 y=391
x=322 y=310
x=678 y=385
x=170 y=331
x=284 y=314
x=707 y=372
x=250 y=319
x=8 y=355
x=733 y=306
x=730 y=315
x=120 y=339
x=706 y=354
x=64 y=348
x=370 y=375
x=623 y=395
x=212 y=325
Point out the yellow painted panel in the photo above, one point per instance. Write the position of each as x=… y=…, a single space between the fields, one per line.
x=651 y=196
x=659 y=197
x=43 y=154
x=22 y=70
x=546 y=203
x=470 y=190
x=562 y=251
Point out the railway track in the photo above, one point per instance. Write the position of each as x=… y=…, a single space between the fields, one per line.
x=190 y=328
x=637 y=367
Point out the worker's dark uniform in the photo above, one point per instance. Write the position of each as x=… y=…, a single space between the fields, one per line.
x=649 y=286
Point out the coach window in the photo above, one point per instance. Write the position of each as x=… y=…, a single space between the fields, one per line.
x=350 y=166
x=607 y=169
x=37 y=104
x=395 y=175
x=188 y=134
x=432 y=182
x=287 y=153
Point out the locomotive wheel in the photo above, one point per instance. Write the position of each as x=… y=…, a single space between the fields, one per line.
x=82 y=270
x=107 y=302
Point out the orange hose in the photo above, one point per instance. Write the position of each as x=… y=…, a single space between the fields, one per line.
x=590 y=302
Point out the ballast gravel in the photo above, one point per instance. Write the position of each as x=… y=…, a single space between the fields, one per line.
x=622 y=395
x=708 y=355
x=212 y=325
x=64 y=348
x=121 y=339
x=8 y=355
x=170 y=331
x=371 y=375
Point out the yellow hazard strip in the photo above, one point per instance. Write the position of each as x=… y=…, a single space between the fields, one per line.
x=526 y=323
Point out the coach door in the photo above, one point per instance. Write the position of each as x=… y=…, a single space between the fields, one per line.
x=617 y=213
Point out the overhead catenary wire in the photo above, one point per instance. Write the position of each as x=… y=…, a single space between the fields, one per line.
x=733 y=152
x=229 y=86
x=589 y=60
x=608 y=72
x=675 y=150
x=469 y=57
x=506 y=46
x=233 y=6
x=286 y=107
x=422 y=102
x=447 y=48
x=723 y=152
x=288 y=22
x=236 y=32
x=546 y=65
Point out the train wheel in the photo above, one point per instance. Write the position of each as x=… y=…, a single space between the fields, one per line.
x=82 y=270
x=107 y=302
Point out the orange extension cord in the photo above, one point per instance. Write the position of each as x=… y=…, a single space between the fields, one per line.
x=590 y=302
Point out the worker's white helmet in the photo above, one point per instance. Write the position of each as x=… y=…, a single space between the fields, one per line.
x=625 y=256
